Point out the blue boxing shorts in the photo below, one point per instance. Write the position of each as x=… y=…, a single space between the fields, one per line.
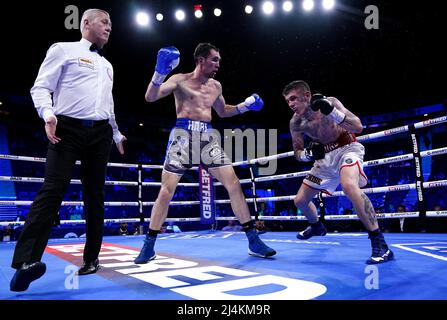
x=193 y=143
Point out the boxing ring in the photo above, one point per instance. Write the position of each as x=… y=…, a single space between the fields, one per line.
x=190 y=267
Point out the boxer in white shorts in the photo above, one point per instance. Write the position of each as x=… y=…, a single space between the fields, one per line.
x=338 y=159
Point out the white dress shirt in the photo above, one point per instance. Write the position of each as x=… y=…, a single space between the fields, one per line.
x=80 y=81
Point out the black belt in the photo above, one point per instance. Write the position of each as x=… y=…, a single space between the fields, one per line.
x=83 y=122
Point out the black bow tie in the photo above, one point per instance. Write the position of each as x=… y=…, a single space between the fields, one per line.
x=94 y=47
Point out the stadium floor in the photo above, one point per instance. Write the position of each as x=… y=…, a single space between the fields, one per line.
x=209 y=265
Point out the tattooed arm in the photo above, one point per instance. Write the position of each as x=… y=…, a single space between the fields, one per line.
x=351 y=122
x=297 y=139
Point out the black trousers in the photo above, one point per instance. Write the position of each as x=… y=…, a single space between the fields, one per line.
x=92 y=146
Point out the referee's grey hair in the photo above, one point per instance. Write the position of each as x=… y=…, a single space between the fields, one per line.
x=89 y=15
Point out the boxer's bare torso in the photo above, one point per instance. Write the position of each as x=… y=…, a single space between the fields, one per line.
x=194 y=98
x=315 y=125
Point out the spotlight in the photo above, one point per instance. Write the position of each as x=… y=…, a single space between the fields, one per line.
x=287 y=6
x=217 y=12
x=268 y=7
x=328 y=4
x=142 y=19
x=248 y=9
x=308 y=5
x=198 y=11
x=159 y=17
x=180 y=15
x=198 y=14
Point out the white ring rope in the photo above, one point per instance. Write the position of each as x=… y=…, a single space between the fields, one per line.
x=413 y=214
x=110 y=164
x=108 y=183
x=368 y=137
x=371 y=163
x=403 y=187
x=427 y=185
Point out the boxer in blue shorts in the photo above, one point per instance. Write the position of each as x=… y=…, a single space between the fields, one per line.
x=192 y=140
x=338 y=159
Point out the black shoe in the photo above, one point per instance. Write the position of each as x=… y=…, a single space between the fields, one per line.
x=88 y=268
x=381 y=257
x=380 y=251
x=316 y=229
x=26 y=274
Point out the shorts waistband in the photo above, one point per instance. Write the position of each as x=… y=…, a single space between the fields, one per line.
x=193 y=125
x=83 y=122
x=342 y=140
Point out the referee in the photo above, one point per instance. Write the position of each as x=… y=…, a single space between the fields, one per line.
x=73 y=95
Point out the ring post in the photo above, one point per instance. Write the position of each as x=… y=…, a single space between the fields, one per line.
x=417 y=159
x=253 y=188
x=140 y=199
x=207 y=197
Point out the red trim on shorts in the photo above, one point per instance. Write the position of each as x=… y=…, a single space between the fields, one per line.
x=358 y=166
x=322 y=190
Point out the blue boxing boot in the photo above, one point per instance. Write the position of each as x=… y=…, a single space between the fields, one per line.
x=256 y=247
x=147 y=253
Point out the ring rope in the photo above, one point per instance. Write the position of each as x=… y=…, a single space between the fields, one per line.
x=403 y=187
x=271 y=178
x=371 y=163
x=367 y=137
x=400 y=215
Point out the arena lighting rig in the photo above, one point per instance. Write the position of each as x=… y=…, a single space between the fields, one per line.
x=144 y=18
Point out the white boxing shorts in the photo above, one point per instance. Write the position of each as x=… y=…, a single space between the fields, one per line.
x=325 y=173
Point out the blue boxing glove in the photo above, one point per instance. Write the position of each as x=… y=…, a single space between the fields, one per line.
x=320 y=102
x=167 y=59
x=252 y=103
